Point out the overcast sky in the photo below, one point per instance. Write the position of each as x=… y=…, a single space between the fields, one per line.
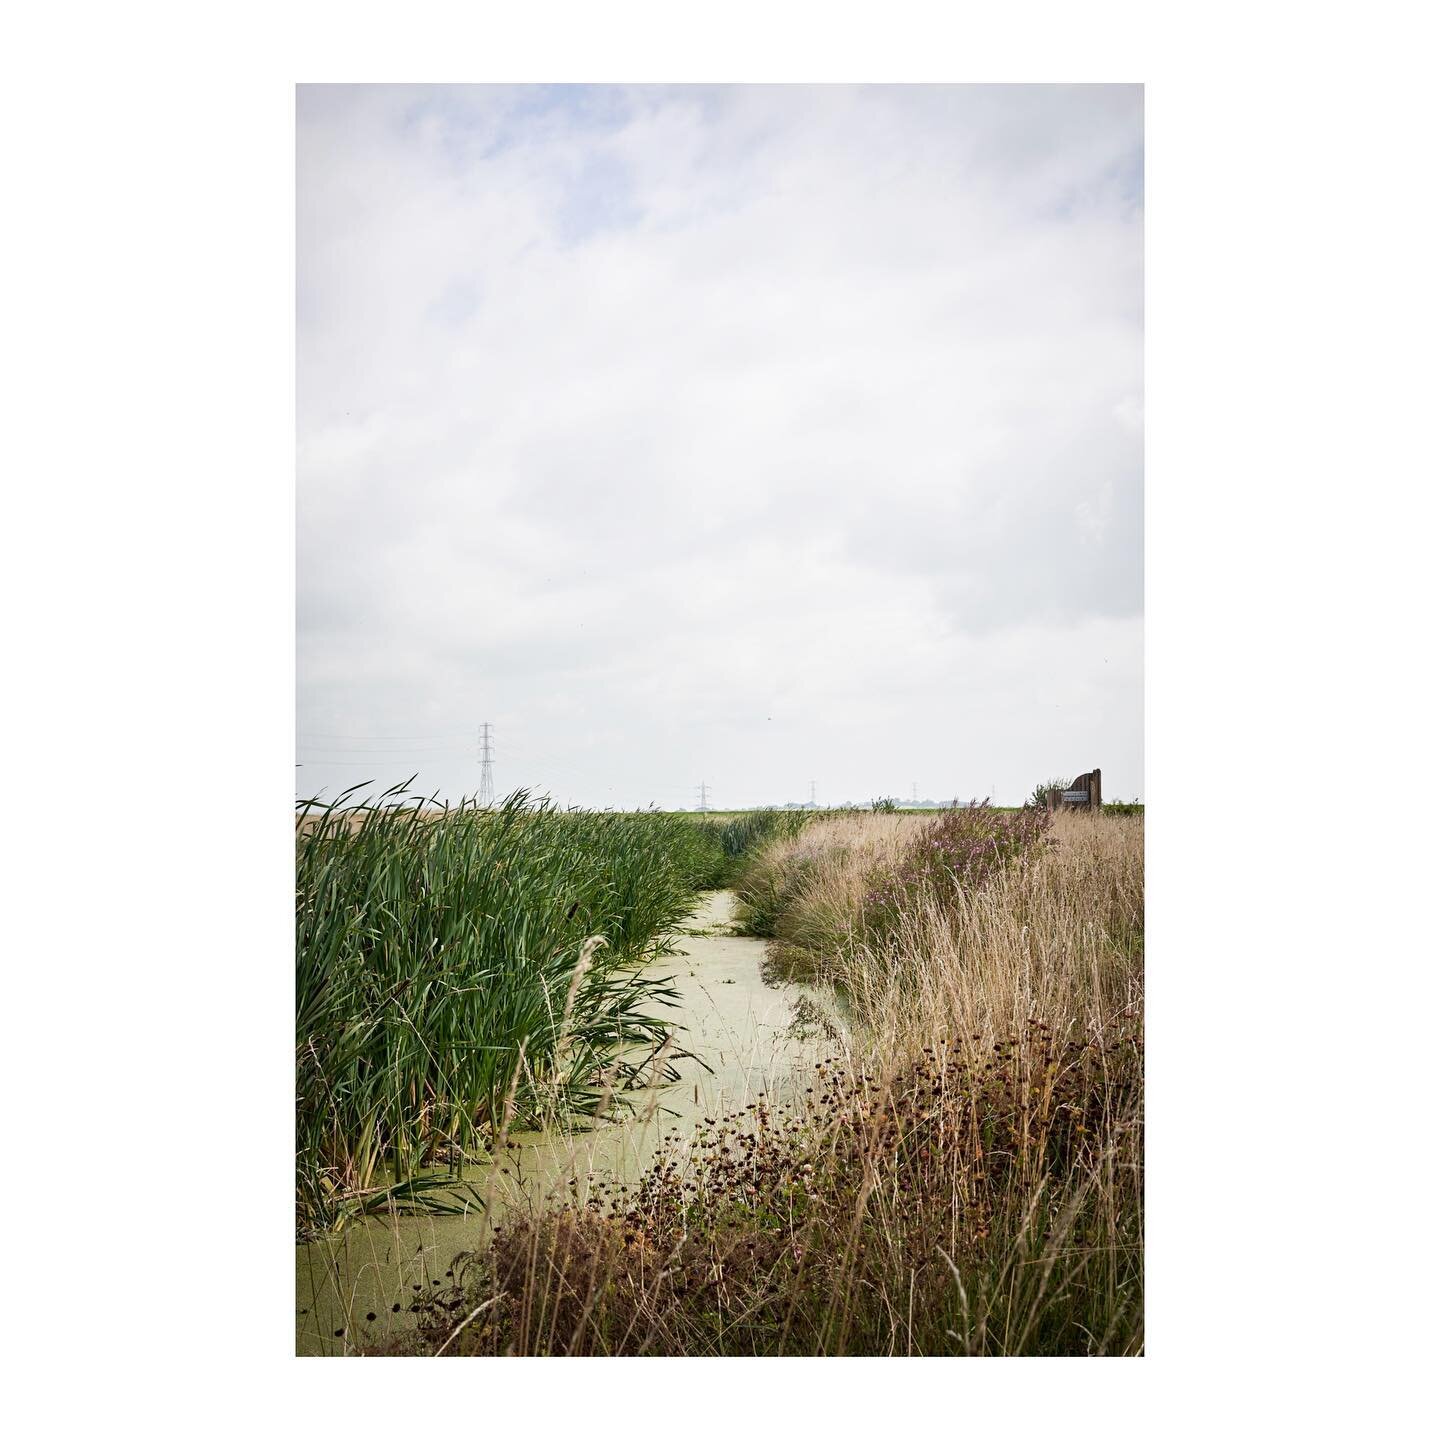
x=752 y=435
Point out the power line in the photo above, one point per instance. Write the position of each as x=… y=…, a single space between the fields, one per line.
x=334 y=735
x=704 y=796
x=349 y=765
x=316 y=749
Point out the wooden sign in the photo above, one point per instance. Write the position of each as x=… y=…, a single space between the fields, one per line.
x=1083 y=794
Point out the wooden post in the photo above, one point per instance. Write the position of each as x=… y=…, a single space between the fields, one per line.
x=1095 y=789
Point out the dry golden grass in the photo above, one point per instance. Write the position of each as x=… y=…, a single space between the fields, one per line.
x=806 y=890
x=967 y=1179
x=1059 y=940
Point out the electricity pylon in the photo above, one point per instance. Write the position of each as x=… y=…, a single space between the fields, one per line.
x=487 y=768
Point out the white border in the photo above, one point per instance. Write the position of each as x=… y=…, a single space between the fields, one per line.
x=149 y=580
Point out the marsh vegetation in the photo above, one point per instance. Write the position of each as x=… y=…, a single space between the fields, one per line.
x=461 y=972
x=962 y=1173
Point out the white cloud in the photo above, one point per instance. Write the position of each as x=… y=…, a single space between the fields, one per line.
x=751 y=434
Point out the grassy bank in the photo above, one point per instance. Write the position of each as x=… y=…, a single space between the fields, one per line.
x=968 y=1179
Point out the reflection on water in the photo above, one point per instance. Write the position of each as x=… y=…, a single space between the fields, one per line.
x=740 y=1027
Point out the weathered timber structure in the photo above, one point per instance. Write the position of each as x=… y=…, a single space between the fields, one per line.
x=1082 y=794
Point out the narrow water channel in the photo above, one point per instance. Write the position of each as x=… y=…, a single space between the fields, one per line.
x=750 y=1035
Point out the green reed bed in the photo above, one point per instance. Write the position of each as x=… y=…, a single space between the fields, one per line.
x=718 y=847
x=463 y=970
